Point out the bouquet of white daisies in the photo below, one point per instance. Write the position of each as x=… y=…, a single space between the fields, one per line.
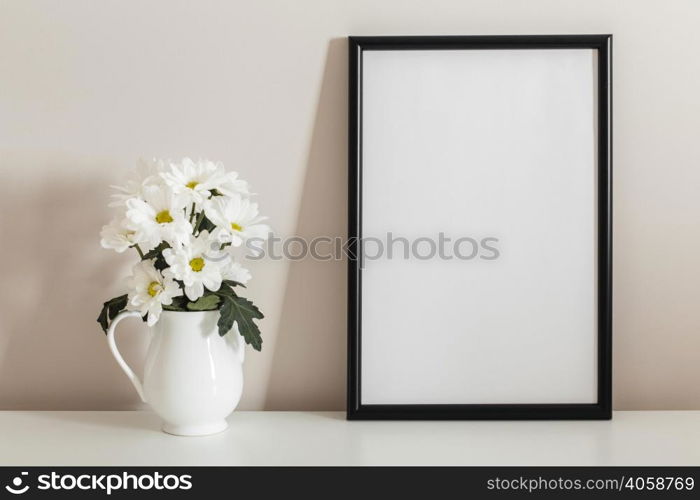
x=186 y=220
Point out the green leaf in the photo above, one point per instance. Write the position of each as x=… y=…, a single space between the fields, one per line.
x=204 y=303
x=155 y=252
x=225 y=290
x=226 y=318
x=110 y=309
x=179 y=304
x=206 y=224
x=233 y=283
x=243 y=312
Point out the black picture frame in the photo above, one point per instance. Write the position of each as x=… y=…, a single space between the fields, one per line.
x=603 y=408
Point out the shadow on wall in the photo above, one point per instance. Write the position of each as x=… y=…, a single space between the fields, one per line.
x=308 y=368
x=53 y=354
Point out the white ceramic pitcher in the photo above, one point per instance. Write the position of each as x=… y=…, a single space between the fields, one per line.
x=193 y=378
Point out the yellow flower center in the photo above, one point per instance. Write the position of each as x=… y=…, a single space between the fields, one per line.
x=192 y=184
x=197 y=264
x=236 y=227
x=154 y=288
x=163 y=216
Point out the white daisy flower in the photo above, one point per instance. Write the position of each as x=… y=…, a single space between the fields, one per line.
x=146 y=174
x=150 y=290
x=195 y=180
x=159 y=216
x=236 y=272
x=229 y=184
x=237 y=220
x=190 y=264
x=118 y=235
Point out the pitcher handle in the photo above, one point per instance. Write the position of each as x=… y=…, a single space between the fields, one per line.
x=115 y=352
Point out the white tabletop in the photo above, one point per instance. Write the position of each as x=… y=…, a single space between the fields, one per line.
x=326 y=438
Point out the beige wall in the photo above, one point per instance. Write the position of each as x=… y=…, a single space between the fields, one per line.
x=87 y=87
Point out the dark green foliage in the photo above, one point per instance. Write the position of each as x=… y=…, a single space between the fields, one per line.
x=204 y=303
x=110 y=309
x=243 y=312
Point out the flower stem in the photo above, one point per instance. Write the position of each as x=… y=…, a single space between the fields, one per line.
x=138 y=249
x=192 y=213
x=200 y=218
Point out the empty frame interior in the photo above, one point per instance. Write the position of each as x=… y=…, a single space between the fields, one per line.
x=479 y=144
